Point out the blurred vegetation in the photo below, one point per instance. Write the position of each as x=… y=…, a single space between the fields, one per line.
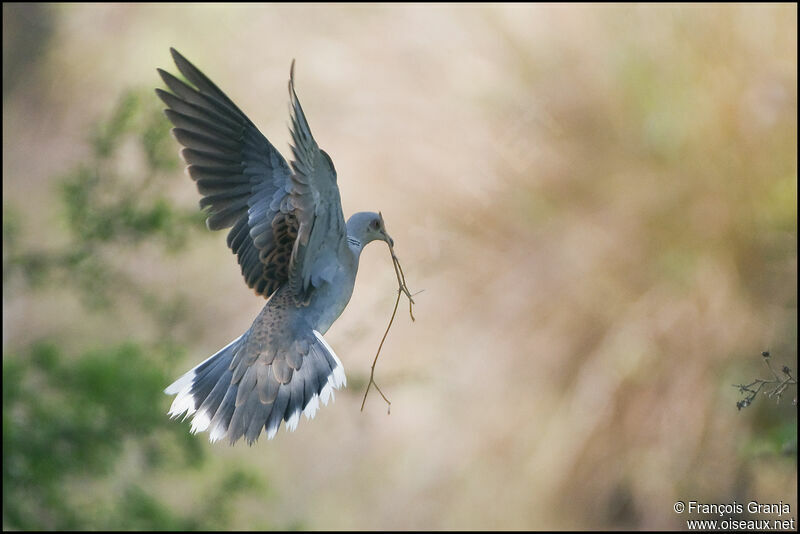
x=600 y=202
x=104 y=207
x=78 y=420
x=27 y=33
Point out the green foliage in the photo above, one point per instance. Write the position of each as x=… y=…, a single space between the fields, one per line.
x=65 y=417
x=101 y=205
x=73 y=419
x=108 y=201
x=138 y=510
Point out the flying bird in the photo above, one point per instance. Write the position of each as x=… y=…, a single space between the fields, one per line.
x=294 y=248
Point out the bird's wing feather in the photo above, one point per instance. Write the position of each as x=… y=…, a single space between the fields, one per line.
x=316 y=205
x=244 y=180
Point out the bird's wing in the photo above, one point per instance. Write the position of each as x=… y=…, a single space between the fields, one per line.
x=316 y=206
x=244 y=180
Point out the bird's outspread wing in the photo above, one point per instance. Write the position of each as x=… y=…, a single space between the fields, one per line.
x=288 y=232
x=244 y=180
x=316 y=205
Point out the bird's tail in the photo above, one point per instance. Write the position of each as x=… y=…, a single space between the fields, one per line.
x=232 y=394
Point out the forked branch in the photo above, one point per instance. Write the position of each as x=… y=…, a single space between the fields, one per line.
x=774 y=388
x=403 y=289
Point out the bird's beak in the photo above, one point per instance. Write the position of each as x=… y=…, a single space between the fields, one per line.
x=386 y=237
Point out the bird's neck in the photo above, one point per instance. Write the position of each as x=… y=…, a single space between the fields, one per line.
x=356 y=246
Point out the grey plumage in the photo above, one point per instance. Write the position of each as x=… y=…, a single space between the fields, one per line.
x=293 y=246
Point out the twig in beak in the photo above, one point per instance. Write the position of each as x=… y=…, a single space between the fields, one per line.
x=401 y=281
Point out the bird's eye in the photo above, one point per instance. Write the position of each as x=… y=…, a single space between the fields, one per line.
x=374 y=225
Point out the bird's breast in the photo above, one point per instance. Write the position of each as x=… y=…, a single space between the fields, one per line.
x=330 y=300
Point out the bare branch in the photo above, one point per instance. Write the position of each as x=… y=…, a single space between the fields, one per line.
x=401 y=281
x=780 y=383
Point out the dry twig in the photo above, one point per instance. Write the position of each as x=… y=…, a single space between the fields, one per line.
x=780 y=383
x=401 y=281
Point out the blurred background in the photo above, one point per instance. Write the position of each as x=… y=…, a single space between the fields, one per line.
x=600 y=204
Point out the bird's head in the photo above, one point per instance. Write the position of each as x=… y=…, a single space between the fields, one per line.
x=367 y=226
